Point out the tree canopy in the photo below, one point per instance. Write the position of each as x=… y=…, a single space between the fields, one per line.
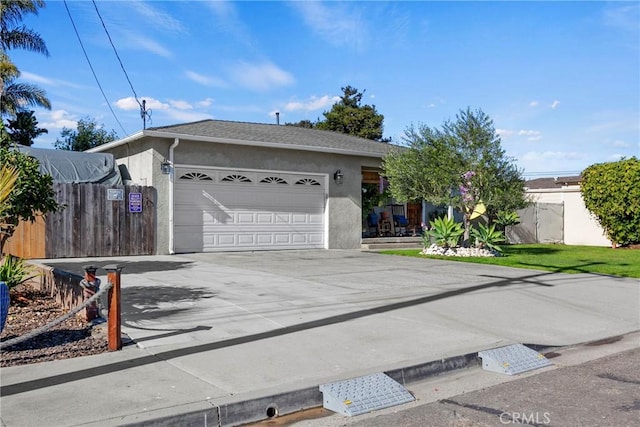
x=611 y=191
x=87 y=135
x=350 y=116
x=32 y=194
x=24 y=128
x=462 y=164
x=16 y=96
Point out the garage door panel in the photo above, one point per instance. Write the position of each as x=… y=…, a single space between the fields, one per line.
x=212 y=214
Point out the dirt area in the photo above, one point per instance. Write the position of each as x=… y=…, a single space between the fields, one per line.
x=31 y=309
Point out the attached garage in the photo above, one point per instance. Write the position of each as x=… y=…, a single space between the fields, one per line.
x=231 y=209
x=238 y=186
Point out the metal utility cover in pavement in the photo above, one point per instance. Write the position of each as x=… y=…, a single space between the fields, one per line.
x=512 y=359
x=364 y=394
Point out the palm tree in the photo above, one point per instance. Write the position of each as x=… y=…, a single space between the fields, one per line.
x=15 y=97
x=14 y=37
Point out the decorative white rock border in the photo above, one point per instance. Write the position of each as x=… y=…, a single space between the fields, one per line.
x=459 y=251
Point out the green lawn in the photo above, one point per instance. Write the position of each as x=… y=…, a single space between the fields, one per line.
x=558 y=258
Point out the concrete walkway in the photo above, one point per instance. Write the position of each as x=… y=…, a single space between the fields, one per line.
x=226 y=337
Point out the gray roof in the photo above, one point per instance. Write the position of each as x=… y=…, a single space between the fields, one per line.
x=544 y=183
x=290 y=137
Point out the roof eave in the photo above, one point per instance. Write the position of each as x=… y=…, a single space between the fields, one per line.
x=117 y=143
x=182 y=136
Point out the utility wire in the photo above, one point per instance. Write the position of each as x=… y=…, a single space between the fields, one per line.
x=116 y=52
x=91 y=66
x=144 y=113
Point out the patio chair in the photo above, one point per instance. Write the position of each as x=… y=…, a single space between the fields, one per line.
x=400 y=221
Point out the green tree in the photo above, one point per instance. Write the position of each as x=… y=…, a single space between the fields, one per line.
x=87 y=135
x=611 y=192
x=351 y=117
x=16 y=96
x=307 y=124
x=32 y=194
x=24 y=129
x=462 y=165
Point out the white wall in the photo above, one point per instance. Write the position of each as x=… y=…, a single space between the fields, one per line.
x=580 y=227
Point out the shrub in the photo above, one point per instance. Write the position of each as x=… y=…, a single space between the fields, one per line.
x=446 y=232
x=611 y=191
x=488 y=237
x=507 y=218
x=15 y=271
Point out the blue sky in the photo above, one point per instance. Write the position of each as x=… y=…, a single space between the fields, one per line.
x=561 y=80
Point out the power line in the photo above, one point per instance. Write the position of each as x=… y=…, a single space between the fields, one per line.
x=144 y=113
x=91 y=67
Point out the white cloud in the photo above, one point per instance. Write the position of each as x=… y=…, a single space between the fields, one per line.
x=533 y=104
x=57 y=119
x=157 y=18
x=130 y=103
x=505 y=133
x=180 y=105
x=616 y=157
x=205 y=80
x=432 y=105
x=334 y=22
x=261 y=77
x=36 y=78
x=551 y=155
x=555 y=104
x=532 y=135
x=227 y=20
x=205 y=102
x=313 y=104
x=623 y=17
x=135 y=40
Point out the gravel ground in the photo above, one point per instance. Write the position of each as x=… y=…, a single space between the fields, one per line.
x=32 y=309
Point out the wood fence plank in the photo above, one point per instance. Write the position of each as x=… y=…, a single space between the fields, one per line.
x=90 y=225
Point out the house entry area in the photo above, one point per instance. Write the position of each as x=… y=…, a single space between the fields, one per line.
x=381 y=215
x=227 y=210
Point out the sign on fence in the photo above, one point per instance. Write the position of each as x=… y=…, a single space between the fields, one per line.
x=135 y=202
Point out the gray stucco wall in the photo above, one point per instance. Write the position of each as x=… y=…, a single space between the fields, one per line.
x=343 y=215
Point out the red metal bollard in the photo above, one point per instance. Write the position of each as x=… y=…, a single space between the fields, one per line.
x=114 y=321
x=90 y=285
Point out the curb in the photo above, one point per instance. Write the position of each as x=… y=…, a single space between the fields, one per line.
x=269 y=407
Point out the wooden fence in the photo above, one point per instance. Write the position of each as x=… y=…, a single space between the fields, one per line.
x=97 y=220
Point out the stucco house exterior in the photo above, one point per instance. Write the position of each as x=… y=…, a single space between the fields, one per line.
x=225 y=186
x=580 y=226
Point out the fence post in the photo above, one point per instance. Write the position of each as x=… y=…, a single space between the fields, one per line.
x=114 y=328
x=90 y=286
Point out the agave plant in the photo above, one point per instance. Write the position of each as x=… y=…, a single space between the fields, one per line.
x=15 y=271
x=445 y=231
x=8 y=177
x=488 y=237
x=506 y=218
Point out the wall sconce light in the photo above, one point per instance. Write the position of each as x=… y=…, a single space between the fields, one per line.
x=338 y=176
x=165 y=166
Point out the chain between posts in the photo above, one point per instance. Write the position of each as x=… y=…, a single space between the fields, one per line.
x=57 y=321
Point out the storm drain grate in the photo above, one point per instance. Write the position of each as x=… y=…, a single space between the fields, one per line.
x=512 y=359
x=364 y=394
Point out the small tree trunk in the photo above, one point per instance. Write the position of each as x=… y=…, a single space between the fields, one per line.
x=466 y=219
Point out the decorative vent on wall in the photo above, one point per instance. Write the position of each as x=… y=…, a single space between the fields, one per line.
x=196 y=176
x=307 y=181
x=235 y=178
x=273 y=180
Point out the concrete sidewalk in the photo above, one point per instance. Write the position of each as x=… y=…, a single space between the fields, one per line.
x=225 y=337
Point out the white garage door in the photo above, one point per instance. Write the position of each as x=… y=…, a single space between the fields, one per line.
x=226 y=210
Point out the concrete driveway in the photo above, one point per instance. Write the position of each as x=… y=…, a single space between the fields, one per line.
x=229 y=327
x=211 y=297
